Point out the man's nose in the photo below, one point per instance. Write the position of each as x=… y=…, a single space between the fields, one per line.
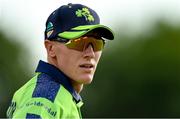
x=89 y=51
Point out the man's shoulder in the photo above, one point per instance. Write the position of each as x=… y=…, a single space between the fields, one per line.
x=44 y=94
x=45 y=87
x=52 y=90
x=26 y=90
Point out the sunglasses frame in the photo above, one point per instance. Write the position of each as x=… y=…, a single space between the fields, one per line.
x=68 y=42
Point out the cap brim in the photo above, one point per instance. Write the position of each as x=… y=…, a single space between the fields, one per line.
x=79 y=31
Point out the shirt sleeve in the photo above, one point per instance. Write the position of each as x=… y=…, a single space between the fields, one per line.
x=34 y=108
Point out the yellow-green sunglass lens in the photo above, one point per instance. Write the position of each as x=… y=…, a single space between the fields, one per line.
x=81 y=43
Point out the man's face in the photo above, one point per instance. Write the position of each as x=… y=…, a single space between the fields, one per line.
x=80 y=66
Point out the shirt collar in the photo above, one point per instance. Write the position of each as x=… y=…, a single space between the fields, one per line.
x=58 y=76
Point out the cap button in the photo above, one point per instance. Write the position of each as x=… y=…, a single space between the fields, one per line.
x=70 y=5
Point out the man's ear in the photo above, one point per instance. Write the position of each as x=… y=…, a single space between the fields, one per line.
x=50 y=48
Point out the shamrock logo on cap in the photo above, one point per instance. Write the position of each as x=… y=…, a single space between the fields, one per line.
x=86 y=13
x=49 y=29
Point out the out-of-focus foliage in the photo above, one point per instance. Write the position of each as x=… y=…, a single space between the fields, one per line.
x=13 y=70
x=140 y=77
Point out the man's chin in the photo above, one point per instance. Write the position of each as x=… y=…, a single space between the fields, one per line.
x=86 y=79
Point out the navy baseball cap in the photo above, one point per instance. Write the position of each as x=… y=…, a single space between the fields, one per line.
x=73 y=21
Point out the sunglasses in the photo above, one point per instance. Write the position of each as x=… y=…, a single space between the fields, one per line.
x=82 y=43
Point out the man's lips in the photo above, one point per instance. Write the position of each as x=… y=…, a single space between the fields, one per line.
x=87 y=65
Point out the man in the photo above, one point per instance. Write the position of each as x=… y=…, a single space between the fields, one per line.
x=74 y=43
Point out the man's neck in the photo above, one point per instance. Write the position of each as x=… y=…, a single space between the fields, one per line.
x=77 y=87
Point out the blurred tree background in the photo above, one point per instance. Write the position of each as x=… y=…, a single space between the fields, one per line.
x=14 y=70
x=137 y=76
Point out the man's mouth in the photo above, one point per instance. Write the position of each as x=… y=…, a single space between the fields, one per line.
x=86 y=65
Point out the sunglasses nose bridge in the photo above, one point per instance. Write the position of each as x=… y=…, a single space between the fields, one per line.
x=88 y=44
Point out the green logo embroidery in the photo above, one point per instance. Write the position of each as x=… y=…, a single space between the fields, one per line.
x=49 y=29
x=49 y=26
x=85 y=13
